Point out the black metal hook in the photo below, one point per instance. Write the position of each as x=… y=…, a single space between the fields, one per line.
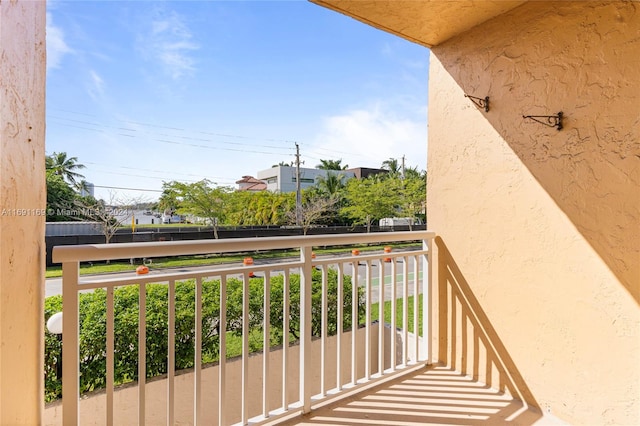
x=480 y=102
x=547 y=120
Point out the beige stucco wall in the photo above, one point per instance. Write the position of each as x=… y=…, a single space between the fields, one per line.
x=543 y=226
x=427 y=22
x=22 y=199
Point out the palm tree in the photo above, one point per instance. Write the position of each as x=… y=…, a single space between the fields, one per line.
x=331 y=165
x=392 y=165
x=413 y=172
x=331 y=184
x=64 y=166
x=83 y=187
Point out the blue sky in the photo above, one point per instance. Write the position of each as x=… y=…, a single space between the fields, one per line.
x=145 y=92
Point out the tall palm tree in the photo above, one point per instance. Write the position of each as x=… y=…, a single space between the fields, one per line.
x=331 y=184
x=392 y=165
x=64 y=166
x=332 y=165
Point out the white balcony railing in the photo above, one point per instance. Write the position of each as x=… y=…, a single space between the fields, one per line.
x=400 y=277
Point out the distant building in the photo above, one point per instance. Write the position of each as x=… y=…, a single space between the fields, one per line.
x=365 y=172
x=249 y=183
x=283 y=178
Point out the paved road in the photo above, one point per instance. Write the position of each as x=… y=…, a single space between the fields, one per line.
x=53 y=286
x=388 y=283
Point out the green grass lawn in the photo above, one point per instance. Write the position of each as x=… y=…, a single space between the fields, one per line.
x=375 y=309
x=234 y=342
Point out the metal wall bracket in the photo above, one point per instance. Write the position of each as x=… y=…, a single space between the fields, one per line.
x=547 y=120
x=480 y=102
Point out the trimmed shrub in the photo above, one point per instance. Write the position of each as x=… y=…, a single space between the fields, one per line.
x=92 y=339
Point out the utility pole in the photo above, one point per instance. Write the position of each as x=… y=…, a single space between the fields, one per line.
x=402 y=172
x=298 y=193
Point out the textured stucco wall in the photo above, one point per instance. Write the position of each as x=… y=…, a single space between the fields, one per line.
x=22 y=200
x=544 y=225
x=428 y=22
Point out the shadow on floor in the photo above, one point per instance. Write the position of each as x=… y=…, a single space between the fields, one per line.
x=429 y=396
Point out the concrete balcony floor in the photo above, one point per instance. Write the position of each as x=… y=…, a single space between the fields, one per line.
x=435 y=395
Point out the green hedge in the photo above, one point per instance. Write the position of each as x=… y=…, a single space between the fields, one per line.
x=92 y=348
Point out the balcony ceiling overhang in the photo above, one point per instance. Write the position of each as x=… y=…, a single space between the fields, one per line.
x=426 y=22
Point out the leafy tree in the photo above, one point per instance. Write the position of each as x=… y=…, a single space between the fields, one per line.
x=90 y=209
x=66 y=167
x=200 y=199
x=412 y=198
x=331 y=165
x=413 y=172
x=311 y=211
x=284 y=164
x=272 y=209
x=236 y=211
x=331 y=186
x=258 y=208
x=167 y=201
x=368 y=200
x=107 y=215
x=60 y=198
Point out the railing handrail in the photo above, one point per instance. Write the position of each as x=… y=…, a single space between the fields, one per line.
x=397 y=360
x=94 y=252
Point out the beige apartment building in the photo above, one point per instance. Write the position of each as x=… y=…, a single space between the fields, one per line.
x=537 y=223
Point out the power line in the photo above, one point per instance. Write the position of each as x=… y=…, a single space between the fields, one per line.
x=330 y=153
x=123 y=128
x=146 y=177
x=166 y=141
x=298 y=192
x=98 y=125
x=227 y=135
x=126 y=189
x=160 y=171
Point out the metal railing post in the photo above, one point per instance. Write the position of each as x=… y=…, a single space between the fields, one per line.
x=70 y=339
x=110 y=353
x=306 y=289
x=427 y=286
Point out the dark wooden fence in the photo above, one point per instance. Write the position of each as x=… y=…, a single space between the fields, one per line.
x=167 y=233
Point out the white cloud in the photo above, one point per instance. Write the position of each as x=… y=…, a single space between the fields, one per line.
x=169 y=41
x=56 y=46
x=96 y=88
x=367 y=137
